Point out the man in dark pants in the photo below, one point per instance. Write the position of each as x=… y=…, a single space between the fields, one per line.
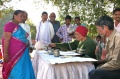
x=56 y=26
x=109 y=67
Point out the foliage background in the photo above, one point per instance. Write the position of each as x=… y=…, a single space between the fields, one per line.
x=6 y=14
x=88 y=10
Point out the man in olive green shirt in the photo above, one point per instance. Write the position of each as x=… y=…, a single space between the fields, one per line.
x=81 y=42
x=109 y=67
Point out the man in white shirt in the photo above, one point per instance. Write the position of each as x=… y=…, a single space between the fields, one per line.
x=26 y=27
x=116 y=16
x=45 y=32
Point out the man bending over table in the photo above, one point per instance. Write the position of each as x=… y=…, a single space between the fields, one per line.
x=82 y=42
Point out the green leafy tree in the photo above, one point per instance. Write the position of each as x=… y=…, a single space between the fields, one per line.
x=4 y=19
x=8 y=16
x=4 y=10
x=88 y=10
x=4 y=1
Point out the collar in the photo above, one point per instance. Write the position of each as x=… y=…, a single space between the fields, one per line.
x=54 y=22
x=117 y=24
x=112 y=35
x=45 y=21
x=69 y=25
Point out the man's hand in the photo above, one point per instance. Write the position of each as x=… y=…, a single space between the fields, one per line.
x=103 y=56
x=102 y=61
x=31 y=49
x=61 y=39
x=52 y=45
x=96 y=50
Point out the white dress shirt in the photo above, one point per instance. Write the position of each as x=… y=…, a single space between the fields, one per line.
x=26 y=27
x=43 y=28
x=117 y=27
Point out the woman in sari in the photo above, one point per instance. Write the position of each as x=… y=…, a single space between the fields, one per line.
x=17 y=63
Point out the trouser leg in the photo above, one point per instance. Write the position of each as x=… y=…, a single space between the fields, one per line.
x=104 y=74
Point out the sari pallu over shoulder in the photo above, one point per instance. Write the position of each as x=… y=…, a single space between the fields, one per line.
x=16 y=49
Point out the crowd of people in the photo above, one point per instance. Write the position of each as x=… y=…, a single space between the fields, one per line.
x=16 y=42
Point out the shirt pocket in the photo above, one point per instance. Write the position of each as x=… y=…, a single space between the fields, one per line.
x=111 y=48
x=110 y=45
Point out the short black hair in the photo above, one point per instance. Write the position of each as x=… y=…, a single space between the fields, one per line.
x=25 y=12
x=116 y=9
x=105 y=20
x=68 y=17
x=44 y=13
x=16 y=12
x=77 y=17
x=98 y=36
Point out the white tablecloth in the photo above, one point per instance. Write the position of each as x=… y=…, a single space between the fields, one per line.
x=44 y=70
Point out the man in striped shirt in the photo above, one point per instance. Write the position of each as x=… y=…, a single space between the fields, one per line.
x=62 y=31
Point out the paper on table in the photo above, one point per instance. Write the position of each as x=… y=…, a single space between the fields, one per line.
x=42 y=52
x=68 y=53
x=70 y=59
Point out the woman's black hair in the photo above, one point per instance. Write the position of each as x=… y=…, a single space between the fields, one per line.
x=16 y=12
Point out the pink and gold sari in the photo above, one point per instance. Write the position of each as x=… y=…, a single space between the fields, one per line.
x=18 y=49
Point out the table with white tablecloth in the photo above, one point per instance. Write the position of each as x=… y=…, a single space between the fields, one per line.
x=43 y=68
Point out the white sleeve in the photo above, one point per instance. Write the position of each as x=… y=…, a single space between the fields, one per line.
x=29 y=37
x=26 y=27
x=51 y=31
